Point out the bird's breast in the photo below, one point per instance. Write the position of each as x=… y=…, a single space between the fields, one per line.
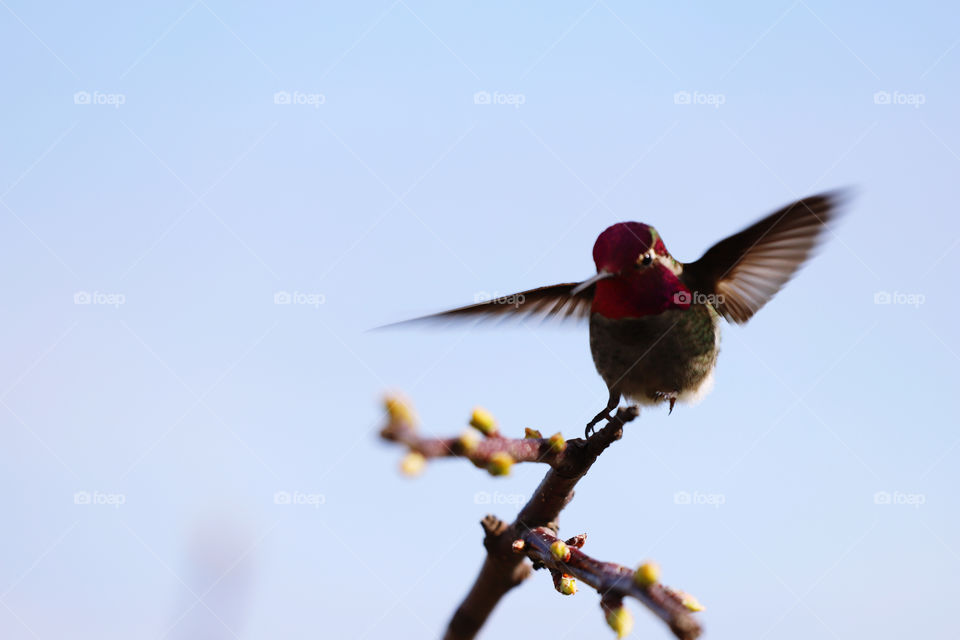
x=673 y=352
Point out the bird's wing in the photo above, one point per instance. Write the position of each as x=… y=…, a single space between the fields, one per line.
x=556 y=301
x=744 y=271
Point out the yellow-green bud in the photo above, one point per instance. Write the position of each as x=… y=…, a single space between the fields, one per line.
x=500 y=463
x=647 y=574
x=557 y=443
x=483 y=421
x=413 y=464
x=620 y=620
x=531 y=433
x=400 y=410
x=468 y=441
x=560 y=550
x=568 y=585
x=691 y=602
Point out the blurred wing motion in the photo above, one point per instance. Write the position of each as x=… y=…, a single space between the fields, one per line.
x=554 y=301
x=745 y=270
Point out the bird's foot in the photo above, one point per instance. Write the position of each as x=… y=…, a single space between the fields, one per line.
x=669 y=397
x=606 y=414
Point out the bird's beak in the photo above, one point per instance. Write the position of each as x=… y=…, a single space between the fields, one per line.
x=601 y=275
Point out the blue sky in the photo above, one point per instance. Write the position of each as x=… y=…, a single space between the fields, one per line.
x=169 y=170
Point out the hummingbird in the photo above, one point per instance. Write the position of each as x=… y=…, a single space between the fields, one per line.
x=655 y=321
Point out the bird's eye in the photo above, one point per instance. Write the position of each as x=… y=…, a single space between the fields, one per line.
x=646 y=259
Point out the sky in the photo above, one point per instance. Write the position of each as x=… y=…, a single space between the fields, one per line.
x=206 y=205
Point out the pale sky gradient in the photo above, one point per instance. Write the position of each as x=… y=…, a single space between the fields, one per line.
x=148 y=170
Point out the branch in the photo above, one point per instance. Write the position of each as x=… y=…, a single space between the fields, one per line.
x=509 y=546
x=482 y=453
x=612 y=581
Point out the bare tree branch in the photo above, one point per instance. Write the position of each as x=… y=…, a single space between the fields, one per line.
x=480 y=452
x=613 y=581
x=534 y=531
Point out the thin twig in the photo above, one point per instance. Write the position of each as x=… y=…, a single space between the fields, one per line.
x=480 y=452
x=613 y=581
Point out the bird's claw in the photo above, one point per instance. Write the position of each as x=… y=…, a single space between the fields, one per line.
x=671 y=398
x=603 y=415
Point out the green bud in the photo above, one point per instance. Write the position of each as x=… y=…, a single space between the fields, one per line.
x=647 y=574
x=560 y=550
x=483 y=421
x=620 y=620
x=557 y=443
x=413 y=464
x=500 y=464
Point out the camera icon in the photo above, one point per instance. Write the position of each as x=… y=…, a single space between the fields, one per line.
x=81 y=297
x=281 y=97
x=682 y=297
x=882 y=297
x=282 y=297
x=282 y=497
x=81 y=97
x=481 y=97
x=681 y=97
x=882 y=497
x=481 y=497
x=881 y=97
x=81 y=497
x=682 y=497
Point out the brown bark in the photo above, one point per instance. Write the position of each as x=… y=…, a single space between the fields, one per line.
x=507 y=562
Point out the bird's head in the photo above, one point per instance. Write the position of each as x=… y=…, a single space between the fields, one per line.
x=636 y=275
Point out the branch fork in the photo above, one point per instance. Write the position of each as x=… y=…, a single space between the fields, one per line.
x=531 y=541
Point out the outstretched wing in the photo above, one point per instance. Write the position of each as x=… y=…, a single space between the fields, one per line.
x=744 y=271
x=557 y=301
